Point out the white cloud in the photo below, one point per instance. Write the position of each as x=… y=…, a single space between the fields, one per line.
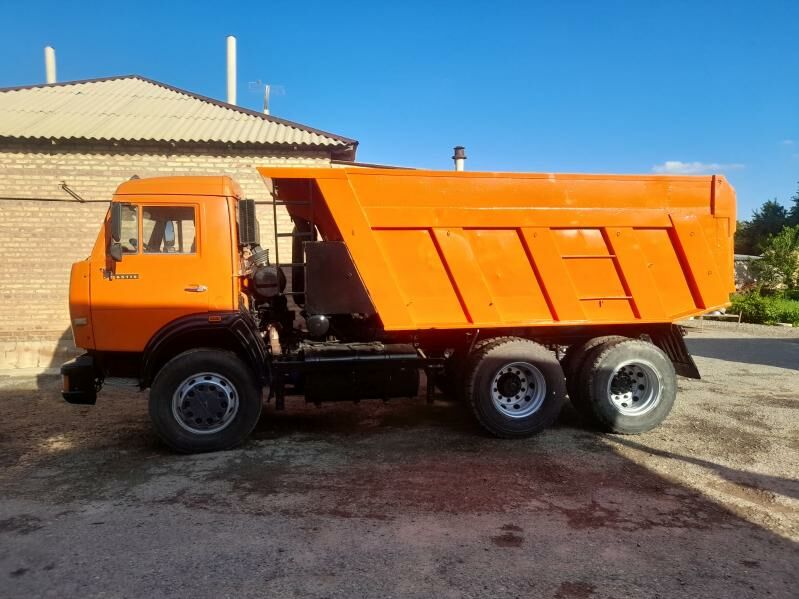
x=787 y=142
x=678 y=167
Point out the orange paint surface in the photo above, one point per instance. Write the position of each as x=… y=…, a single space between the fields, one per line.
x=132 y=299
x=437 y=250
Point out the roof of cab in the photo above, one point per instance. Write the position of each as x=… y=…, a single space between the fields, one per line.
x=194 y=186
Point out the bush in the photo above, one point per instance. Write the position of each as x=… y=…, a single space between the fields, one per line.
x=753 y=308
x=779 y=266
x=758 y=309
x=788 y=311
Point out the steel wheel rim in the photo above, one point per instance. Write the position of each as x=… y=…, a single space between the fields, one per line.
x=205 y=403
x=635 y=388
x=518 y=389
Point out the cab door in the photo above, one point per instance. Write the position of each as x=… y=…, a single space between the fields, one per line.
x=163 y=274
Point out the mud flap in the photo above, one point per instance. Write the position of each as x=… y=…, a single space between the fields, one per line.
x=670 y=340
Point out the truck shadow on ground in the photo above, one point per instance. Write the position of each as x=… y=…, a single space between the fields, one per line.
x=360 y=471
x=781 y=353
x=347 y=418
x=787 y=487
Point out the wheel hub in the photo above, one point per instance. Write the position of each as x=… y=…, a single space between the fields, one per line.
x=518 y=389
x=509 y=384
x=205 y=403
x=635 y=388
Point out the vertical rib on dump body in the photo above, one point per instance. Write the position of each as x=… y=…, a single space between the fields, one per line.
x=443 y=250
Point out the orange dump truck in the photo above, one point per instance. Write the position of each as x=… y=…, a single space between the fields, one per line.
x=479 y=280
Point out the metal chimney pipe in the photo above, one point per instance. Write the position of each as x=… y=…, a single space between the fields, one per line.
x=231 y=69
x=459 y=157
x=49 y=64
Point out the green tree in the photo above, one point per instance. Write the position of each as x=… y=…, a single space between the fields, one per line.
x=793 y=212
x=780 y=263
x=767 y=220
x=745 y=242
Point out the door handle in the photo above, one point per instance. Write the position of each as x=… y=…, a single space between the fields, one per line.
x=196 y=288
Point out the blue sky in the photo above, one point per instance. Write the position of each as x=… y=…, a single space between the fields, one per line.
x=610 y=86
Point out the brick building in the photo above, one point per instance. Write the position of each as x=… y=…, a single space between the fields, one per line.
x=65 y=147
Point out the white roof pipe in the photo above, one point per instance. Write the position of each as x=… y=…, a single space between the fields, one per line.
x=459 y=157
x=231 y=69
x=49 y=64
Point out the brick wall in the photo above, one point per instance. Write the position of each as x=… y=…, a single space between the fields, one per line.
x=43 y=231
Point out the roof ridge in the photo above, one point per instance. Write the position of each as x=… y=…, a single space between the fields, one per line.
x=196 y=96
x=15 y=88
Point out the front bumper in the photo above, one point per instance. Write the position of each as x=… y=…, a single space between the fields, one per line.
x=80 y=379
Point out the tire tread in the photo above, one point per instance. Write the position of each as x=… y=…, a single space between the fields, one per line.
x=474 y=362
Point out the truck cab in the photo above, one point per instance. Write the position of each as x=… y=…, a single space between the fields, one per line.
x=176 y=255
x=166 y=261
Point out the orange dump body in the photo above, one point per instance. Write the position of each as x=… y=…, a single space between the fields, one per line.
x=444 y=250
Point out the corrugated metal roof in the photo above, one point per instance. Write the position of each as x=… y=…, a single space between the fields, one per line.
x=134 y=108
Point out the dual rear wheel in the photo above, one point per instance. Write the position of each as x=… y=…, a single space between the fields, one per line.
x=623 y=385
x=515 y=387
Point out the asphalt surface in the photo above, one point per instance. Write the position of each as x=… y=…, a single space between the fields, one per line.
x=411 y=500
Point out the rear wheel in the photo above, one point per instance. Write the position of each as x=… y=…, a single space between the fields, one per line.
x=204 y=400
x=574 y=359
x=515 y=387
x=450 y=381
x=630 y=387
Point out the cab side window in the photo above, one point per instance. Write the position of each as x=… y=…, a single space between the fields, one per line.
x=129 y=240
x=169 y=229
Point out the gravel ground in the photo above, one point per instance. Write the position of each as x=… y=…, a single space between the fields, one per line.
x=412 y=500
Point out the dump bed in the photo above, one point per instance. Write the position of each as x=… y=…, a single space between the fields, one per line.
x=443 y=250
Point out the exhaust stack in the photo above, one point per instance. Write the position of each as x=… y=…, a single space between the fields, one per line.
x=49 y=64
x=459 y=157
x=231 y=69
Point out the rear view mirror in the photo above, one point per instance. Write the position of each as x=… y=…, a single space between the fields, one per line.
x=116 y=222
x=248 y=225
x=115 y=251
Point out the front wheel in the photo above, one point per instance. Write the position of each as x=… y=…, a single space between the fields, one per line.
x=204 y=400
x=515 y=387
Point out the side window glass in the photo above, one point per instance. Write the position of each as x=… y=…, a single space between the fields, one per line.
x=129 y=240
x=169 y=229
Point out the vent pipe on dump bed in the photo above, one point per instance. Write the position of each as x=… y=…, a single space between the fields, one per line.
x=231 y=69
x=49 y=64
x=459 y=157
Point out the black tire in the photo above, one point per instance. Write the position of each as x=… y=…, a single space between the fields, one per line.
x=451 y=381
x=574 y=359
x=487 y=363
x=645 y=367
x=235 y=378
